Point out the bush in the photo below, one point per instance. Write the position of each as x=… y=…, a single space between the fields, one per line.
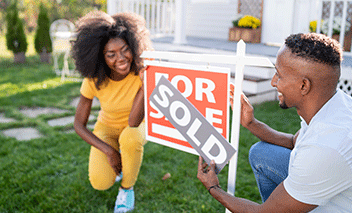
x=16 y=40
x=247 y=22
x=42 y=41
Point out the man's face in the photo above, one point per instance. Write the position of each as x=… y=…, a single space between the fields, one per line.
x=286 y=78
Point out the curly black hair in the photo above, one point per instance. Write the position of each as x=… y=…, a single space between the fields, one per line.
x=95 y=29
x=316 y=47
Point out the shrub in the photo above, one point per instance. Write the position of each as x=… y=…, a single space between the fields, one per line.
x=16 y=40
x=336 y=26
x=42 y=41
x=313 y=26
x=248 y=21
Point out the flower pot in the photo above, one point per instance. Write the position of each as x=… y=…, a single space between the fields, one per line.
x=19 y=57
x=45 y=57
x=347 y=41
x=248 y=35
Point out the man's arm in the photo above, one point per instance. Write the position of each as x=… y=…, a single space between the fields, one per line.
x=279 y=200
x=260 y=129
x=270 y=135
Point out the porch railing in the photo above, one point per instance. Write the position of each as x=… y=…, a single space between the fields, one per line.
x=335 y=20
x=159 y=14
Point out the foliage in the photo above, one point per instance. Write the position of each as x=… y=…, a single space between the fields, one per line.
x=336 y=26
x=60 y=9
x=3 y=5
x=313 y=26
x=247 y=21
x=42 y=40
x=16 y=40
x=324 y=26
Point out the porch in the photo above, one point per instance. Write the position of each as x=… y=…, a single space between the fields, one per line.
x=202 y=26
x=256 y=84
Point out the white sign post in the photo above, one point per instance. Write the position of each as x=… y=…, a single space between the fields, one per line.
x=240 y=60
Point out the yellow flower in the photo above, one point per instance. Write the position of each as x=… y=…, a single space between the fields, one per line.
x=313 y=26
x=249 y=22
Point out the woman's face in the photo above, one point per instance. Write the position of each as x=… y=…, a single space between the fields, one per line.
x=118 y=57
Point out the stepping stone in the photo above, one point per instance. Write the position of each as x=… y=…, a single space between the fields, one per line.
x=65 y=120
x=75 y=101
x=34 y=112
x=23 y=134
x=4 y=119
x=90 y=126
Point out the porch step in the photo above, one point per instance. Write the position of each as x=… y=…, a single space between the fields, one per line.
x=254 y=85
x=257 y=89
x=262 y=97
x=260 y=72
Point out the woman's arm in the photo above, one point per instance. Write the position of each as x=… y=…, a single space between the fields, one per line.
x=137 y=112
x=81 y=119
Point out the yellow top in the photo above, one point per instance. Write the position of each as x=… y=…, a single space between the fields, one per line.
x=115 y=97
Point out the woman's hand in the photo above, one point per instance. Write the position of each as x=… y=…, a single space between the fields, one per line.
x=247 y=115
x=114 y=159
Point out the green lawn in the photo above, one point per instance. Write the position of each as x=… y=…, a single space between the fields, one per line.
x=50 y=174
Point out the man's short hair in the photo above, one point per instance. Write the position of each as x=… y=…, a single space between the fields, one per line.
x=316 y=47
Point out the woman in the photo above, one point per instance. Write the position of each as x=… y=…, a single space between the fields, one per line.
x=107 y=53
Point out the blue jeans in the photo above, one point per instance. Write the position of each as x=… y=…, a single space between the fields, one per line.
x=270 y=166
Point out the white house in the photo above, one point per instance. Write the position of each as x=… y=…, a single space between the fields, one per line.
x=213 y=18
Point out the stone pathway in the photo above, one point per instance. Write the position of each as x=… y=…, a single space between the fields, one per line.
x=34 y=112
x=3 y=119
x=23 y=134
x=28 y=133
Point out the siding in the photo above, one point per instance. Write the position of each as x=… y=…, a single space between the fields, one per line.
x=210 y=20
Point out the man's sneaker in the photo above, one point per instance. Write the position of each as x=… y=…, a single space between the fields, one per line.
x=118 y=178
x=124 y=200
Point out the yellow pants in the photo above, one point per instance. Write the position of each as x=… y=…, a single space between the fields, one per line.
x=130 y=142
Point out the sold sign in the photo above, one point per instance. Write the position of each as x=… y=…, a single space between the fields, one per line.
x=205 y=87
x=203 y=137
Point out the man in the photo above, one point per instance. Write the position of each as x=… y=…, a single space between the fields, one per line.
x=311 y=170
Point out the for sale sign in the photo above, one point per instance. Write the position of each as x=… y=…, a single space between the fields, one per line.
x=206 y=88
x=192 y=125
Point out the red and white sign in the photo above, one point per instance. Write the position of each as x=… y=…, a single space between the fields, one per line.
x=205 y=87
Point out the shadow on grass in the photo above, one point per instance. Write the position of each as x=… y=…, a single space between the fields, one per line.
x=29 y=72
x=57 y=96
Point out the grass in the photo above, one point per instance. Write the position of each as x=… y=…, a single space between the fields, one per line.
x=49 y=174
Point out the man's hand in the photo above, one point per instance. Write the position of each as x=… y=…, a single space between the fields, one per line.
x=207 y=175
x=247 y=115
x=114 y=159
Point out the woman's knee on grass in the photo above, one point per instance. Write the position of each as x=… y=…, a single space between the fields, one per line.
x=132 y=138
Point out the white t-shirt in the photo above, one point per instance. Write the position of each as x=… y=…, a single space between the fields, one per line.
x=320 y=168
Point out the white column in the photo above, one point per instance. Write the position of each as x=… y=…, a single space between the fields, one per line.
x=277 y=20
x=302 y=16
x=111 y=7
x=180 y=25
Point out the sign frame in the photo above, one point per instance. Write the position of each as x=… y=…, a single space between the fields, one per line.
x=196 y=68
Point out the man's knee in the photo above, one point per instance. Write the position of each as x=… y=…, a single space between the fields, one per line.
x=255 y=151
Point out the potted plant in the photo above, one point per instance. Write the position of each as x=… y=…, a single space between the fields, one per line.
x=42 y=40
x=16 y=40
x=336 y=30
x=246 y=28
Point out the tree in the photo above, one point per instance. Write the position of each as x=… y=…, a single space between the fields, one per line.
x=16 y=40
x=42 y=41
